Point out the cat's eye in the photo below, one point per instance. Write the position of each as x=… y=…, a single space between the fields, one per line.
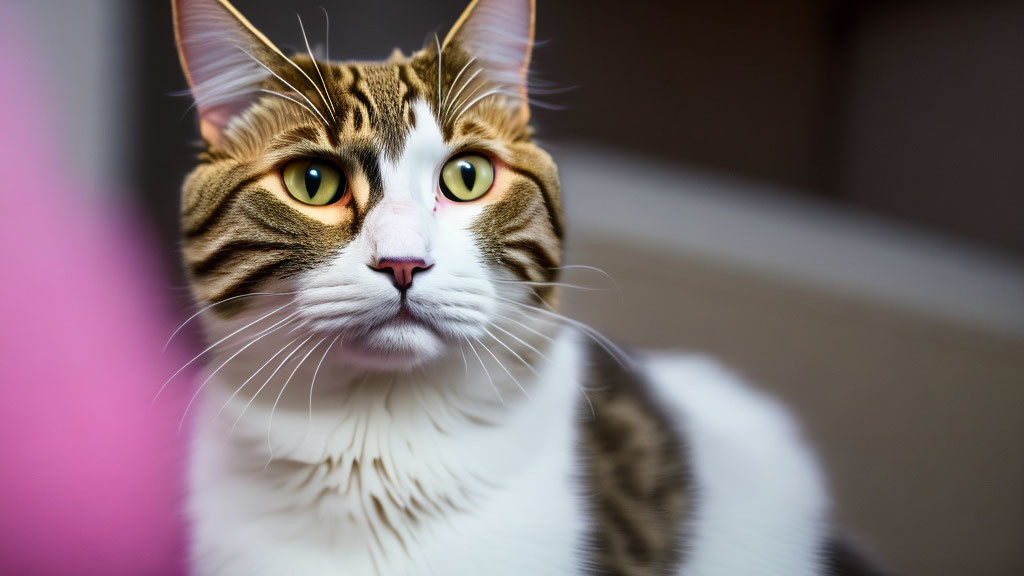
x=466 y=178
x=315 y=182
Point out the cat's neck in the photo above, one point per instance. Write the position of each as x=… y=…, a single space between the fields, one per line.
x=457 y=424
x=383 y=456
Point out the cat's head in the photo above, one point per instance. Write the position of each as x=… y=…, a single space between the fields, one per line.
x=400 y=207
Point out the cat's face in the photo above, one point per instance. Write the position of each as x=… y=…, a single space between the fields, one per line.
x=399 y=207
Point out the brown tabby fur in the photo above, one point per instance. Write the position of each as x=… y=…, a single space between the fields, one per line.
x=634 y=465
x=240 y=234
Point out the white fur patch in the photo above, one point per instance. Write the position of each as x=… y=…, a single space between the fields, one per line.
x=338 y=505
x=761 y=502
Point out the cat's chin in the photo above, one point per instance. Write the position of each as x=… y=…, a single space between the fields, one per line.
x=399 y=347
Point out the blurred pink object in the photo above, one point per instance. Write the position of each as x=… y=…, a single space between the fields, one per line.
x=91 y=476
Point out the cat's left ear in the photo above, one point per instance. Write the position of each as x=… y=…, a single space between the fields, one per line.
x=499 y=34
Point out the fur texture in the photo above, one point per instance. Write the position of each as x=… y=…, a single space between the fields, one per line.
x=450 y=422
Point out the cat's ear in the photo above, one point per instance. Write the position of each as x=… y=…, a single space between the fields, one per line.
x=220 y=53
x=499 y=34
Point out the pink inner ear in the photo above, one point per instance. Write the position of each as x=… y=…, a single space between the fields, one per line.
x=499 y=33
x=219 y=55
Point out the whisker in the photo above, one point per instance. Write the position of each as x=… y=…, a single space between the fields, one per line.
x=594 y=335
x=551 y=284
x=579 y=387
x=514 y=353
x=330 y=103
x=286 y=83
x=531 y=329
x=270 y=423
x=583 y=267
x=455 y=81
x=486 y=371
x=467 y=84
x=215 y=304
x=274 y=373
x=592 y=269
x=249 y=379
x=458 y=104
x=214 y=345
x=258 y=337
x=539 y=353
x=309 y=424
x=542 y=300
x=440 y=66
x=520 y=340
x=488 y=94
x=300 y=70
x=465 y=363
x=327 y=34
x=449 y=100
x=297 y=327
x=488 y=350
x=293 y=100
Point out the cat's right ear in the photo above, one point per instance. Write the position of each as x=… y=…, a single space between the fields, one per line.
x=221 y=53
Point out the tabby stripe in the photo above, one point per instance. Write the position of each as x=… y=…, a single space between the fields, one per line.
x=524 y=220
x=553 y=215
x=408 y=95
x=251 y=280
x=517 y=268
x=298 y=135
x=534 y=249
x=207 y=223
x=357 y=92
x=628 y=529
x=369 y=161
x=269 y=225
x=229 y=249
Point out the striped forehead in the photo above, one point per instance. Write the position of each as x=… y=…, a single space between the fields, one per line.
x=376 y=100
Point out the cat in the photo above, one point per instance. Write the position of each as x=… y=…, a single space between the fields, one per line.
x=376 y=248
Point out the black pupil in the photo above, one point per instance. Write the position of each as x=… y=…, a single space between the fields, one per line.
x=468 y=172
x=313 y=179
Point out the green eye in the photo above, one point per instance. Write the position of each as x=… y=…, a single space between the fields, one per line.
x=467 y=178
x=315 y=182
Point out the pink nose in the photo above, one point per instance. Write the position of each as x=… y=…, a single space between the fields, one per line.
x=401 y=271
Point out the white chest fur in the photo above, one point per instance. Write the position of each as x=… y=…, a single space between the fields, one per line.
x=388 y=475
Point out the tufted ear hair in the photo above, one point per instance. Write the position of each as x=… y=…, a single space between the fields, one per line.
x=220 y=53
x=499 y=34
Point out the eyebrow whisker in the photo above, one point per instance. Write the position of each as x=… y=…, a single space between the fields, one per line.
x=329 y=102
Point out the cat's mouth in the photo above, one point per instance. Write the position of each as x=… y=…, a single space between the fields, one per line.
x=386 y=329
x=403 y=339
x=405 y=315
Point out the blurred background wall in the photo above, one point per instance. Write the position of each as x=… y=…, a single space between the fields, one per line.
x=828 y=194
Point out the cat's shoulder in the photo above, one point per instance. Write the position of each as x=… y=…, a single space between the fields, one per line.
x=716 y=402
x=762 y=494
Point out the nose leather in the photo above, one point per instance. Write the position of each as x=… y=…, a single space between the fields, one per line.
x=402 y=271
